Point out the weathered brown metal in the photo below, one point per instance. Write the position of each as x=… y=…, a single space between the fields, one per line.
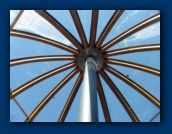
x=70 y=37
x=25 y=60
x=133 y=65
x=131 y=31
x=41 y=105
x=103 y=100
x=93 y=30
x=132 y=49
x=79 y=27
x=108 y=27
x=40 y=78
x=131 y=83
x=60 y=28
x=71 y=98
x=16 y=19
x=44 y=40
x=119 y=96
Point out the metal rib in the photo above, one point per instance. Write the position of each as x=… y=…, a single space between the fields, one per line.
x=79 y=27
x=154 y=117
x=22 y=110
x=119 y=96
x=25 y=60
x=71 y=98
x=41 y=105
x=60 y=28
x=131 y=31
x=132 y=49
x=16 y=19
x=93 y=30
x=43 y=39
x=103 y=100
x=40 y=78
x=133 y=65
x=108 y=27
x=131 y=83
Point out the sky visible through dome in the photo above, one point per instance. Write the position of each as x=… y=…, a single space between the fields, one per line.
x=31 y=22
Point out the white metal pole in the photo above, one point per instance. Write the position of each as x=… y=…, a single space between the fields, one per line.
x=88 y=106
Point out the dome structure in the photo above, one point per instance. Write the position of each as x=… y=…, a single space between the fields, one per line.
x=111 y=58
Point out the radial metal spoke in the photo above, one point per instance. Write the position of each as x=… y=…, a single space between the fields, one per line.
x=71 y=98
x=154 y=117
x=79 y=27
x=25 y=60
x=16 y=19
x=131 y=83
x=43 y=39
x=103 y=100
x=108 y=27
x=19 y=106
x=131 y=31
x=93 y=30
x=132 y=49
x=40 y=78
x=133 y=65
x=119 y=96
x=53 y=92
x=60 y=28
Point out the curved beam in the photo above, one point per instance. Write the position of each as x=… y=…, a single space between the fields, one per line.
x=108 y=27
x=133 y=65
x=43 y=39
x=40 y=78
x=131 y=83
x=131 y=31
x=119 y=96
x=53 y=92
x=71 y=98
x=132 y=49
x=16 y=19
x=79 y=27
x=60 y=28
x=25 y=60
x=95 y=14
x=103 y=100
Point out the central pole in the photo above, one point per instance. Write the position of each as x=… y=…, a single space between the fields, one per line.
x=88 y=105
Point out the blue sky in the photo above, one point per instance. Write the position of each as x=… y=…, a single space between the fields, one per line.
x=20 y=47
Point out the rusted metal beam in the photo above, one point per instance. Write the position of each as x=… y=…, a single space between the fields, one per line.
x=71 y=98
x=132 y=49
x=16 y=19
x=133 y=65
x=79 y=27
x=93 y=30
x=53 y=92
x=40 y=78
x=130 y=31
x=131 y=83
x=119 y=96
x=43 y=40
x=60 y=28
x=103 y=100
x=108 y=27
x=25 y=60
